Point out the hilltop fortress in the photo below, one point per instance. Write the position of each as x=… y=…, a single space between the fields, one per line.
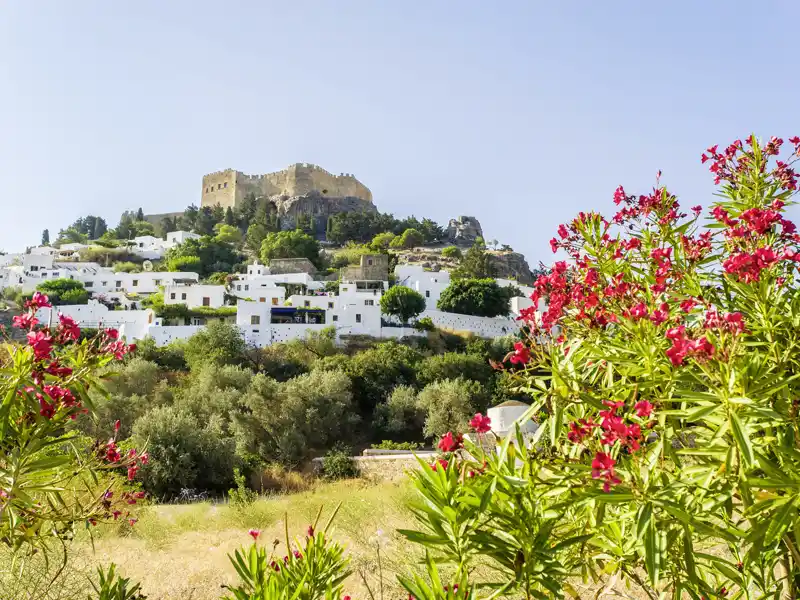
x=230 y=187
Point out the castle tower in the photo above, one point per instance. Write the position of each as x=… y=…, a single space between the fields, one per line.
x=229 y=187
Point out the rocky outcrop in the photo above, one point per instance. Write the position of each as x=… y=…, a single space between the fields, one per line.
x=317 y=207
x=463 y=231
x=511 y=265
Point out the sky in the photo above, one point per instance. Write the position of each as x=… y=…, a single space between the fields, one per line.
x=518 y=113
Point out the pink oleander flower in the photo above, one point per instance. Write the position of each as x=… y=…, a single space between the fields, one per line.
x=480 y=423
x=254 y=533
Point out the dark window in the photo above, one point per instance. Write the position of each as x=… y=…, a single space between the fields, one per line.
x=183 y=296
x=369 y=302
x=427 y=293
x=172 y=296
x=119 y=284
x=88 y=284
x=330 y=304
x=307 y=303
x=255 y=320
x=358 y=318
x=369 y=261
x=335 y=318
x=206 y=301
x=135 y=282
x=226 y=184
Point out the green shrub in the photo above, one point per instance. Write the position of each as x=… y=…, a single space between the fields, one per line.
x=479 y=297
x=185 y=264
x=241 y=496
x=111 y=586
x=449 y=404
x=218 y=343
x=184 y=452
x=339 y=464
x=452 y=252
x=424 y=324
x=63 y=291
x=126 y=267
x=454 y=365
x=390 y=445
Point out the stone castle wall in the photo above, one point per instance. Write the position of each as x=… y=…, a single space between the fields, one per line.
x=229 y=187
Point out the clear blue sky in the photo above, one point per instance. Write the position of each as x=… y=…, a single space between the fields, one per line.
x=520 y=113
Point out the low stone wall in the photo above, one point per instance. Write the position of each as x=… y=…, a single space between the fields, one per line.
x=384 y=467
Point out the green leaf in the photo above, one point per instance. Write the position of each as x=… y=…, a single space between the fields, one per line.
x=742 y=439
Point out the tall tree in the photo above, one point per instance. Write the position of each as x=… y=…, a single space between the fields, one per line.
x=124 y=228
x=189 y=218
x=245 y=211
x=46 y=237
x=140 y=215
x=229 y=218
x=218 y=213
x=402 y=302
x=205 y=221
x=100 y=227
x=476 y=264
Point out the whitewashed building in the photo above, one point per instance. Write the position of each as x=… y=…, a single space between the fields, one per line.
x=195 y=295
x=430 y=284
x=132 y=324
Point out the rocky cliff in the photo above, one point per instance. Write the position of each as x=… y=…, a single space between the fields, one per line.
x=511 y=265
x=463 y=231
x=317 y=207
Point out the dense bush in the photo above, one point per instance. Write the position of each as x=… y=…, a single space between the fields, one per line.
x=290 y=244
x=454 y=365
x=298 y=419
x=64 y=291
x=377 y=371
x=452 y=252
x=479 y=297
x=449 y=404
x=666 y=458
x=339 y=464
x=185 y=452
x=218 y=343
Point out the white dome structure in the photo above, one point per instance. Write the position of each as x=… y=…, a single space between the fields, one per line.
x=505 y=415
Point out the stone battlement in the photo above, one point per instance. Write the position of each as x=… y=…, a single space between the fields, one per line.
x=229 y=187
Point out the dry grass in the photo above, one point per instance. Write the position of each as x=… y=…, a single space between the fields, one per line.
x=180 y=552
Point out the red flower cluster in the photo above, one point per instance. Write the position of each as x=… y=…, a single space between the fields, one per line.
x=603 y=468
x=580 y=430
x=480 y=423
x=696 y=249
x=747 y=267
x=441 y=462
x=683 y=347
x=616 y=429
x=733 y=322
x=451 y=443
x=521 y=355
